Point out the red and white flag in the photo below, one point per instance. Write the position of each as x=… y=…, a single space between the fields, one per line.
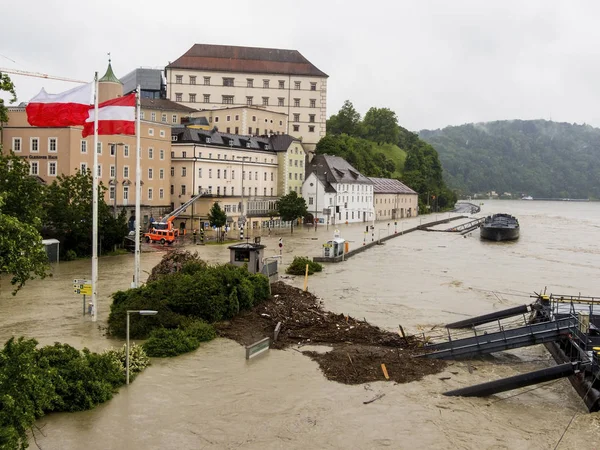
x=116 y=116
x=70 y=108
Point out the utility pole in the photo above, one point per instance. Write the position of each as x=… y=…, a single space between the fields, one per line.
x=242 y=218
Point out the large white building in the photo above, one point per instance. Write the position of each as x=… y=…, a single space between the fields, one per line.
x=210 y=76
x=336 y=191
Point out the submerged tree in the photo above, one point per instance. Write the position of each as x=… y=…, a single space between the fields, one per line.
x=291 y=207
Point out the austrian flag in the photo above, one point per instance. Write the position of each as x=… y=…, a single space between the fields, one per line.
x=116 y=116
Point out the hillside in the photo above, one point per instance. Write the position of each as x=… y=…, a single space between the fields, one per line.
x=525 y=157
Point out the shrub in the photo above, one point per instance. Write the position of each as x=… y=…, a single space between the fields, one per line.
x=201 y=331
x=164 y=342
x=173 y=262
x=261 y=287
x=138 y=359
x=70 y=255
x=298 y=266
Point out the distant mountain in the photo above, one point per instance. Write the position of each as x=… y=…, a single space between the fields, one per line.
x=525 y=157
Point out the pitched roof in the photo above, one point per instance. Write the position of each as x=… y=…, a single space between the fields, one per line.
x=163 y=104
x=230 y=58
x=281 y=142
x=334 y=169
x=390 y=186
x=194 y=135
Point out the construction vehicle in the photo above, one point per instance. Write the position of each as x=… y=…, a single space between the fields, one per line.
x=164 y=231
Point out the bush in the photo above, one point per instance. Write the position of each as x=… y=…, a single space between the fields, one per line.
x=201 y=330
x=138 y=359
x=70 y=255
x=298 y=266
x=261 y=287
x=164 y=342
x=174 y=261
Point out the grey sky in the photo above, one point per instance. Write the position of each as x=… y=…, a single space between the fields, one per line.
x=435 y=63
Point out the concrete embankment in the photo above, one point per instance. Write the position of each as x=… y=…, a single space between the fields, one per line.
x=364 y=247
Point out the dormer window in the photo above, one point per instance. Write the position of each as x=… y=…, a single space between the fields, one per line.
x=248 y=144
x=266 y=146
x=208 y=140
x=173 y=138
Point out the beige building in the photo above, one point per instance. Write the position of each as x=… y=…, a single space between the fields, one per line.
x=213 y=76
x=291 y=158
x=242 y=173
x=394 y=200
x=245 y=120
x=55 y=151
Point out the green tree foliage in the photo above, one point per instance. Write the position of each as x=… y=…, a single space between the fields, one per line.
x=6 y=85
x=298 y=266
x=22 y=254
x=196 y=291
x=68 y=204
x=381 y=125
x=172 y=342
x=346 y=121
x=217 y=218
x=531 y=157
x=53 y=378
x=403 y=156
x=291 y=207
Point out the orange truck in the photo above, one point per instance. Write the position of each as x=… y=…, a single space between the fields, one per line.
x=164 y=231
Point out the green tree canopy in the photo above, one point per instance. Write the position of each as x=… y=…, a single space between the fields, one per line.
x=346 y=121
x=291 y=207
x=217 y=218
x=381 y=126
x=6 y=85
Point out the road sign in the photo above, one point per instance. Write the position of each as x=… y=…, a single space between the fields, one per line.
x=241 y=220
x=326 y=211
x=258 y=347
x=82 y=287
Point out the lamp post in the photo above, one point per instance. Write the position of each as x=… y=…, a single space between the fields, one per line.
x=242 y=218
x=114 y=151
x=317 y=192
x=141 y=312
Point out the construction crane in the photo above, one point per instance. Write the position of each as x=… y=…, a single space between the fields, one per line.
x=40 y=75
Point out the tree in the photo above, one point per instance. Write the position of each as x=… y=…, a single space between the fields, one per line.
x=22 y=254
x=346 y=121
x=381 y=126
x=217 y=218
x=290 y=207
x=6 y=85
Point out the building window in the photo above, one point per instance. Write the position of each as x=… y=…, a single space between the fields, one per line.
x=192 y=98
x=250 y=131
x=311 y=129
x=311 y=118
x=163 y=117
x=206 y=81
x=228 y=130
x=34 y=144
x=228 y=82
x=161 y=174
x=99 y=170
x=150 y=193
x=125 y=194
x=178 y=79
x=271 y=176
x=253 y=118
x=228 y=118
x=34 y=168
x=237 y=131
x=192 y=79
x=313 y=103
x=249 y=82
x=172 y=171
x=111 y=193
x=150 y=173
x=51 y=144
x=280 y=101
x=161 y=154
x=112 y=171
x=161 y=193
x=281 y=84
x=227 y=100
x=153 y=117
x=265 y=84
x=297 y=85
x=83 y=146
x=249 y=101
x=256 y=192
x=296 y=127
x=150 y=131
x=183 y=190
x=83 y=168
x=200 y=172
x=296 y=117
x=297 y=102
x=150 y=153
x=209 y=173
x=265 y=101
x=313 y=86
x=126 y=151
x=178 y=97
x=310 y=200
x=126 y=172
x=142 y=115
x=174 y=118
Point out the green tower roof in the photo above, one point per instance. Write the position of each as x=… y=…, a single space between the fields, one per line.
x=109 y=76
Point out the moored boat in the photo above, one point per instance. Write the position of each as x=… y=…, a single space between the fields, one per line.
x=500 y=227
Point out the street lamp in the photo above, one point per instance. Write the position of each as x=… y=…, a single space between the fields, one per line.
x=317 y=192
x=242 y=219
x=113 y=151
x=141 y=312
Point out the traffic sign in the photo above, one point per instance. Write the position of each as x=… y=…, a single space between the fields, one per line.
x=280 y=242
x=82 y=288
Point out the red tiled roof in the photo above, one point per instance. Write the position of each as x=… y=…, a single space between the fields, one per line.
x=229 y=58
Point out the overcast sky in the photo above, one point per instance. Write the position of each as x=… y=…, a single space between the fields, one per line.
x=435 y=63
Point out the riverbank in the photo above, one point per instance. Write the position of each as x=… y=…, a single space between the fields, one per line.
x=350 y=351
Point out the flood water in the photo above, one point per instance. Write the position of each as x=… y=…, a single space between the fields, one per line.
x=213 y=398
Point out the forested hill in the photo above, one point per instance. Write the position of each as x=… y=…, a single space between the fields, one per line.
x=525 y=157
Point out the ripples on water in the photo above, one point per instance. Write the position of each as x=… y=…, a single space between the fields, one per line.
x=213 y=398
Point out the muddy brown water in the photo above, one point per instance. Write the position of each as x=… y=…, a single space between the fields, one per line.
x=213 y=398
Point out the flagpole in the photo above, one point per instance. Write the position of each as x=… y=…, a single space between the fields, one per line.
x=138 y=190
x=95 y=208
